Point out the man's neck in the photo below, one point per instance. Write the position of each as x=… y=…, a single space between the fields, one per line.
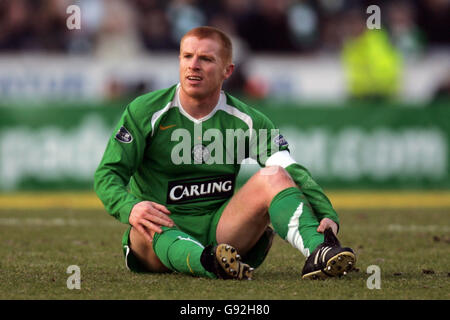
x=198 y=107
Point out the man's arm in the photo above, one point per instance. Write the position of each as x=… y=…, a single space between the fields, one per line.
x=123 y=155
x=119 y=162
x=315 y=195
x=320 y=203
x=110 y=184
x=276 y=149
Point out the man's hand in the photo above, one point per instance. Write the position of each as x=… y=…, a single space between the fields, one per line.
x=148 y=217
x=326 y=223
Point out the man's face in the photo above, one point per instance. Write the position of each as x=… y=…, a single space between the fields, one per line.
x=202 y=67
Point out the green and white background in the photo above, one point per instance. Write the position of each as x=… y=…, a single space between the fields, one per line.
x=361 y=146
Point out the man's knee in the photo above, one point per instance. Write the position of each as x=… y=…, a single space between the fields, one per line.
x=143 y=250
x=273 y=179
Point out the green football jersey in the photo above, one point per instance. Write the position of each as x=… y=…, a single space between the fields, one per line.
x=160 y=153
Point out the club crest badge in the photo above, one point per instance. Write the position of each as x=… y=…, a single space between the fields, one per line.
x=200 y=153
x=280 y=141
x=123 y=135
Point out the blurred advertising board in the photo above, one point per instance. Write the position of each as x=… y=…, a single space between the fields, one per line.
x=58 y=148
x=35 y=78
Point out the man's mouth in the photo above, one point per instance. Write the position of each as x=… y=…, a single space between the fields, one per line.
x=194 y=78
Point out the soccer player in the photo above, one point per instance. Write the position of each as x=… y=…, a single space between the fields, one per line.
x=179 y=151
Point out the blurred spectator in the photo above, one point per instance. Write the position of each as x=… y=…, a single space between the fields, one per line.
x=156 y=31
x=434 y=20
x=442 y=92
x=49 y=26
x=118 y=35
x=404 y=32
x=236 y=9
x=266 y=27
x=32 y=26
x=303 y=26
x=82 y=41
x=183 y=16
x=372 y=65
x=15 y=27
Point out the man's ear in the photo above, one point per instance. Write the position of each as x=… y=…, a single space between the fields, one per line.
x=228 y=70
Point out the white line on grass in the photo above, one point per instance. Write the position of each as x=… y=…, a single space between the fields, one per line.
x=417 y=228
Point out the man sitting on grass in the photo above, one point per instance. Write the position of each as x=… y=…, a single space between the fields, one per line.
x=182 y=210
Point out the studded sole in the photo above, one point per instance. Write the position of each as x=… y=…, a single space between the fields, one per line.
x=340 y=264
x=231 y=263
x=337 y=266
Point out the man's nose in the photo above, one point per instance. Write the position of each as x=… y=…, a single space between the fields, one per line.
x=194 y=64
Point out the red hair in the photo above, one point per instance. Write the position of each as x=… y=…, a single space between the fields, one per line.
x=213 y=33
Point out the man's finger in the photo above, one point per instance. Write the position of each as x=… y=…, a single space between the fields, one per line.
x=151 y=226
x=321 y=226
x=325 y=224
x=144 y=233
x=160 y=207
x=162 y=215
x=159 y=220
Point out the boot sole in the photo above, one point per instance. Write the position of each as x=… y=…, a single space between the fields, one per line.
x=230 y=262
x=339 y=265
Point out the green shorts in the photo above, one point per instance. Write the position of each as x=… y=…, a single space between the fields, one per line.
x=203 y=229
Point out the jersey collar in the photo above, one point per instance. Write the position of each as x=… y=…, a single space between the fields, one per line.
x=177 y=103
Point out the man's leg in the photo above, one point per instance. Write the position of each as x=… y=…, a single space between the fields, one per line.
x=171 y=250
x=177 y=251
x=269 y=196
x=272 y=195
x=143 y=250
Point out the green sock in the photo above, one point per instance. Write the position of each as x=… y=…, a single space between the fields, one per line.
x=180 y=252
x=293 y=219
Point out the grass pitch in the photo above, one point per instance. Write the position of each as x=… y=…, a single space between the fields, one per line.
x=411 y=248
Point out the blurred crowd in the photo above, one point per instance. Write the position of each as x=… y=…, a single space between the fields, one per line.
x=123 y=29
x=287 y=26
